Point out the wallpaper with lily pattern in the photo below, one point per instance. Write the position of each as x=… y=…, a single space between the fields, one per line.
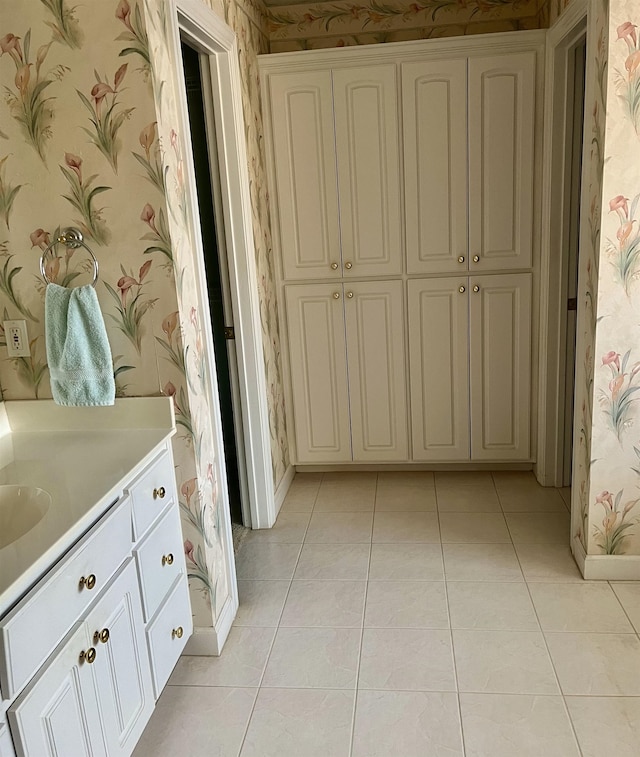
x=610 y=497
x=87 y=139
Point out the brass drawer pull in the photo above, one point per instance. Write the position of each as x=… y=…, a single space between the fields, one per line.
x=89 y=582
x=348 y=266
x=159 y=493
x=476 y=288
x=460 y=258
x=334 y=266
x=88 y=656
x=476 y=258
x=177 y=633
x=462 y=289
x=167 y=559
x=102 y=636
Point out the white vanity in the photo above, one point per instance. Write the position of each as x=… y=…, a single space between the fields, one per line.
x=94 y=604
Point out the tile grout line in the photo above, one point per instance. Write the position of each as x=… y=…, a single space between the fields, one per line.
x=553 y=665
x=364 y=610
x=273 y=641
x=624 y=610
x=446 y=595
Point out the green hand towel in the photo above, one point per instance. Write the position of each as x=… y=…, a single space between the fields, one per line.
x=78 y=351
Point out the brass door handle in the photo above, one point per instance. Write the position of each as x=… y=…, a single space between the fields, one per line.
x=159 y=493
x=349 y=295
x=462 y=289
x=88 y=656
x=476 y=258
x=167 y=559
x=334 y=266
x=476 y=288
x=102 y=636
x=348 y=266
x=460 y=258
x=336 y=295
x=89 y=582
x=177 y=633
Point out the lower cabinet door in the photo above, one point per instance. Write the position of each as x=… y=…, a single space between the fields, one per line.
x=500 y=335
x=439 y=368
x=122 y=669
x=374 y=318
x=58 y=714
x=317 y=354
x=168 y=632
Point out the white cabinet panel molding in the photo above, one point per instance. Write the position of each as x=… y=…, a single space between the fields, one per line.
x=500 y=354
x=367 y=151
x=307 y=203
x=434 y=106
x=374 y=318
x=501 y=154
x=439 y=368
x=318 y=372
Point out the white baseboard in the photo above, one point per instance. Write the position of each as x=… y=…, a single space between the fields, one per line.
x=283 y=487
x=476 y=466
x=606 y=567
x=209 y=641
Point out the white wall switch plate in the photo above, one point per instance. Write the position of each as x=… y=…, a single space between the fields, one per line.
x=17 y=338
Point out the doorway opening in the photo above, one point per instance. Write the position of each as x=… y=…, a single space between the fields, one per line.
x=576 y=66
x=217 y=277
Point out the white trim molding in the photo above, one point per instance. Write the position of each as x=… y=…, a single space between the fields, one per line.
x=606 y=567
x=209 y=641
x=283 y=487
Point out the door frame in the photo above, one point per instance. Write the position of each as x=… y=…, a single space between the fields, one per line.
x=561 y=38
x=209 y=34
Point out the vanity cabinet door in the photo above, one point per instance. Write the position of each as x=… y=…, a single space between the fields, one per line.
x=122 y=669
x=6 y=745
x=58 y=714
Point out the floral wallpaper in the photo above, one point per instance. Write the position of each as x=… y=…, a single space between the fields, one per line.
x=88 y=138
x=302 y=26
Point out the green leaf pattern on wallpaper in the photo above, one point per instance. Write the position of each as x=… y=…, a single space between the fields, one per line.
x=628 y=81
x=8 y=192
x=65 y=25
x=82 y=194
x=29 y=99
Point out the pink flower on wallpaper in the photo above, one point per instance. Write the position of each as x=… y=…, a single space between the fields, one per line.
x=75 y=164
x=605 y=498
x=627 y=32
x=188 y=489
x=632 y=62
x=621 y=393
x=612 y=358
x=188 y=550
x=40 y=238
x=169 y=324
x=123 y=13
x=169 y=390
x=620 y=203
x=148 y=137
x=11 y=44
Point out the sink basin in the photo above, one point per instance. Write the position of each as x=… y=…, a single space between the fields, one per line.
x=21 y=508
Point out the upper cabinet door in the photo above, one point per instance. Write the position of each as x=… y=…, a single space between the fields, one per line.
x=500 y=337
x=305 y=173
x=434 y=106
x=366 y=120
x=374 y=318
x=501 y=153
x=317 y=352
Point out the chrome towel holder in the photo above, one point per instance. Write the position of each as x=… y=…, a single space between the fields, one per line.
x=74 y=239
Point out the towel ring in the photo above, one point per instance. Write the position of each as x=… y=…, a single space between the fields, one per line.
x=69 y=238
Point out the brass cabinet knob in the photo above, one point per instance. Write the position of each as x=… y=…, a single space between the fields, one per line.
x=476 y=288
x=349 y=295
x=89 y=582
x=334 y=266
x=167 y=559
x=336 y=295
x=88 y=656
x=460 y=258
x=177 y=633
x=159 y=493
x=102 y=636
x=476 y=258
x=348 y=266
x=462 y=289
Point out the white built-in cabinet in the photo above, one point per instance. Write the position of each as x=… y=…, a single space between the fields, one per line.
x=403 y=209
x=347 y=345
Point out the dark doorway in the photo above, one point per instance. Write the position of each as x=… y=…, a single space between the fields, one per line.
x=198 y=126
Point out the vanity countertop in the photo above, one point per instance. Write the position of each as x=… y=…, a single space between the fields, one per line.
x=83 y=457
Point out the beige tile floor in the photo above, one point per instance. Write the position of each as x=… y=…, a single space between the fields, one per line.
x=413 y=615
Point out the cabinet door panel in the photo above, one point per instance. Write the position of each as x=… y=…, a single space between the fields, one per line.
x=500 y=333
x=318 y=372
x=57 y=715
x=439 y=368
x=501 y=128
x=434 y=105
x=366 y=119
x=122 y=667
x=305 y=170
x=374 y=318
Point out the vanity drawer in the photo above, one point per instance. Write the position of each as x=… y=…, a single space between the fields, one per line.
x=168 y=633
x=32 y=629
x=160 y=559
x=151 y=492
